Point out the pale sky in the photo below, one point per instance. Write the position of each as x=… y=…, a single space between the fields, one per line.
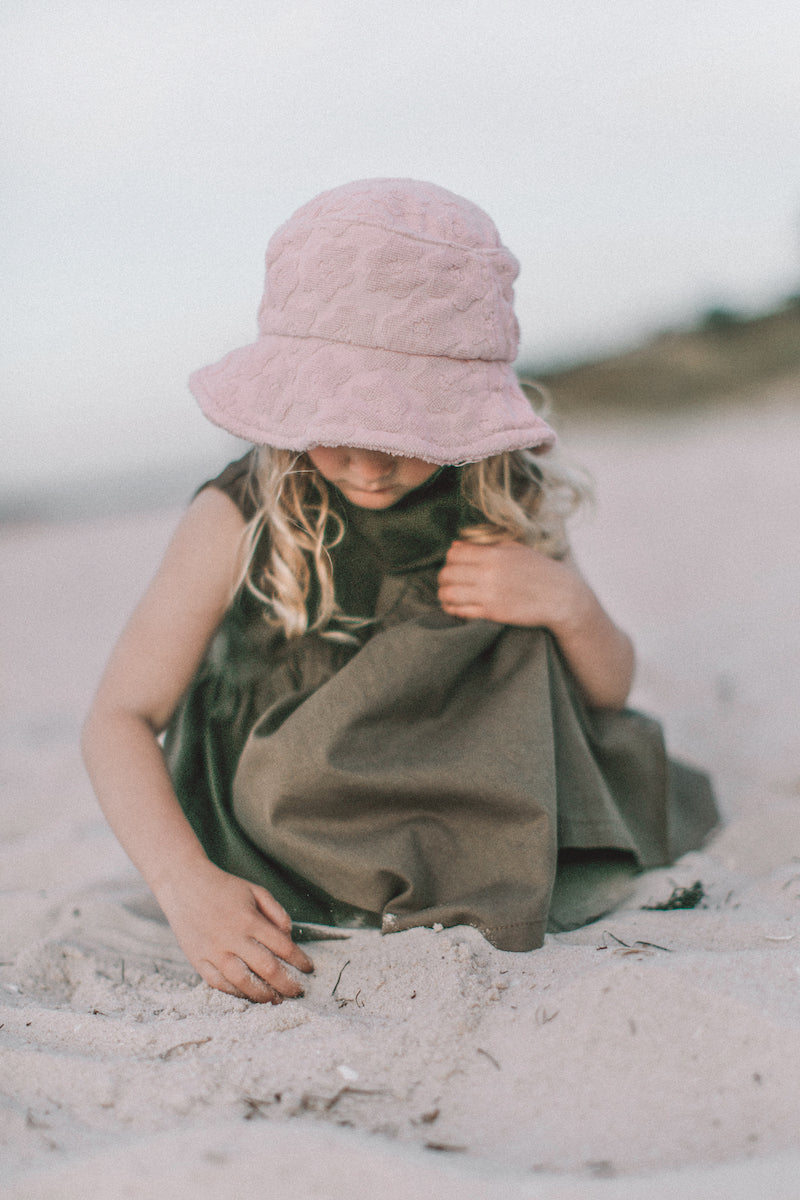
x=641 y=159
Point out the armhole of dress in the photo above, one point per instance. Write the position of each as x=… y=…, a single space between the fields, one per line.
x=238 y=483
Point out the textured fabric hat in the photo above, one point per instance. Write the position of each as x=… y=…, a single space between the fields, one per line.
x=387 y=323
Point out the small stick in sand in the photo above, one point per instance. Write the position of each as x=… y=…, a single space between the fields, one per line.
x=490 y=1057
x=167 y=1054
x=338 y=977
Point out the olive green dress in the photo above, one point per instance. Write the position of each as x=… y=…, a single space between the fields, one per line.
x=440 y=771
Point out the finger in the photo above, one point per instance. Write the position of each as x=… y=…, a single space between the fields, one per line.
x=250 y=983
x=215 y=978
x=458 y=574
x=452 y=598
x=469 y=612
x=465 y=552
x=263 y=963
x=271 y=908
x=474 y=552
x=278 y=916
x=281 y=945
x=461 y=593
x=463 y=577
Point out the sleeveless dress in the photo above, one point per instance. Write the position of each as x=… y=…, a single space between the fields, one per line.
x=440 y=770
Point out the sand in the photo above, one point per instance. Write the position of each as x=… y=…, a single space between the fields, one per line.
x=654 y=1053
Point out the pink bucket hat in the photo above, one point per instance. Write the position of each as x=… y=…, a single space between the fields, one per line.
x=388 y=324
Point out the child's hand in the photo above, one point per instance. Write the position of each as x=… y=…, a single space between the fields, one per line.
x=234 y=934
x=515 y=584
x=510 y=583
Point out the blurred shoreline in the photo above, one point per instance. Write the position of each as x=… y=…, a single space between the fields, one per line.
x=112 y=494
x=720 y=360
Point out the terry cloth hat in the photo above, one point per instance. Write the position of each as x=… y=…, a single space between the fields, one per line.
x=388 y=324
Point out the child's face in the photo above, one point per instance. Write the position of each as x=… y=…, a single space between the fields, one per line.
x=370 y=478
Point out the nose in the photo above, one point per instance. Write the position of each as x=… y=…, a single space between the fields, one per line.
x=372 y=465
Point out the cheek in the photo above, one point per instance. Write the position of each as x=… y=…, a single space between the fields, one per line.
x=418 y=471
x=327 y=460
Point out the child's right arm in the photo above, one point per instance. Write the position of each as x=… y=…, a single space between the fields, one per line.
x=233 y=932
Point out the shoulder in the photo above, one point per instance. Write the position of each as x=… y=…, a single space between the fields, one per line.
x=208 y=540
x=169 y=631
x=238 y=483
x=203 y=561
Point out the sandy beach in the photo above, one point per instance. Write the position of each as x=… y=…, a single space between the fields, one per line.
x=654 y=1053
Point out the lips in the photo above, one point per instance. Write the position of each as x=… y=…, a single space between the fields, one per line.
x=354 y=487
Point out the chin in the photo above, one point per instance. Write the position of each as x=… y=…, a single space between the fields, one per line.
x=373 y=499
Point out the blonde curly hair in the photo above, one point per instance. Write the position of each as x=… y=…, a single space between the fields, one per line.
x=523 y=497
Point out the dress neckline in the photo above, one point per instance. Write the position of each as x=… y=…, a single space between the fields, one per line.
x=414 y=533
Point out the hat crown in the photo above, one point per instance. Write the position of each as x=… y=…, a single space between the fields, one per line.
x=393 y=264
x=409 y=206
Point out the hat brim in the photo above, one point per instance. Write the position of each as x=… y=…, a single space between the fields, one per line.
x=295 y=393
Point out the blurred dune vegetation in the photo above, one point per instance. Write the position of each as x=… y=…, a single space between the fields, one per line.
x=722 y=356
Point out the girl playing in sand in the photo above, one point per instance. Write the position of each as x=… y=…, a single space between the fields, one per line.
x=388 y=695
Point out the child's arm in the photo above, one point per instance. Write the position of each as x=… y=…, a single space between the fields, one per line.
x=518 y=585
x=233 y=932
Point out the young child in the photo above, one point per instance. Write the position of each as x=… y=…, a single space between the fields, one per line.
x=389 y=696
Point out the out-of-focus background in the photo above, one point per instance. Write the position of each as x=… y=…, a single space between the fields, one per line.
x=642 y=161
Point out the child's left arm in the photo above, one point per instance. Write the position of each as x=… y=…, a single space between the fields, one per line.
x=516 y=584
